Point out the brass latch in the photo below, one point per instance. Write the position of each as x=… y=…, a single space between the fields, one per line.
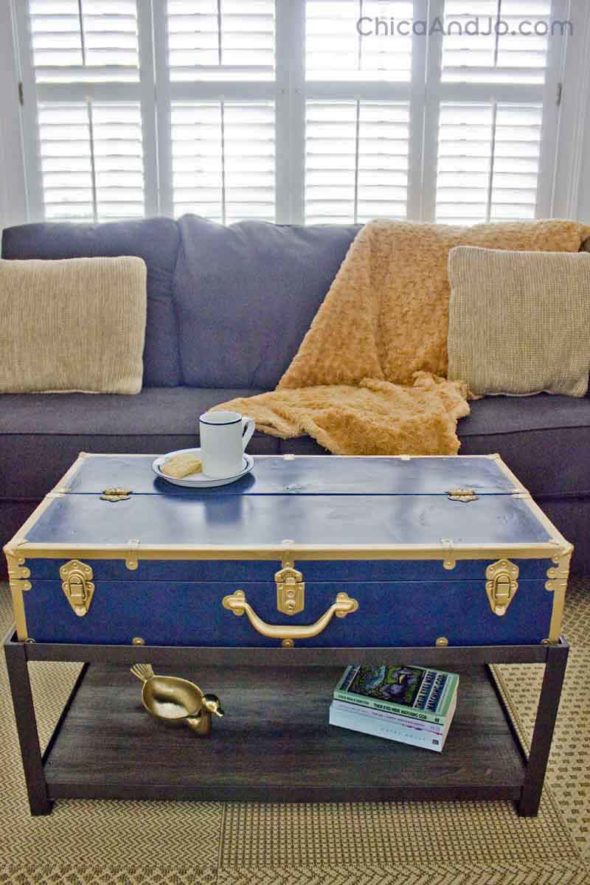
x=77 y=585
x=116 y=494
x=463 y=495
x=290 y=590
x=501 y=585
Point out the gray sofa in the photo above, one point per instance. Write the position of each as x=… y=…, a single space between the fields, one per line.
x=227 y=309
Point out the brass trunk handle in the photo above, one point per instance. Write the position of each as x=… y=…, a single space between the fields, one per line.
x=342 y=606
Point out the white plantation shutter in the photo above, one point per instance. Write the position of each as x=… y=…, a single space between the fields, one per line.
x=291 y=110
x=220 y=39
x=356 y=161
x=91 y=160
x=335 y=48
x=488 y=162
x=357 y=142
x=85 y=69
x=223 y=160
x=219 y=62
x=494 y=110
x=499 y=52
x=84 y=40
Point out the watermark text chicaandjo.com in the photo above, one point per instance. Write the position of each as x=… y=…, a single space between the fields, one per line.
x=478 y=26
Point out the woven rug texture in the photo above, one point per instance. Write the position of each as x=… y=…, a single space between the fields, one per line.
x=447 y=843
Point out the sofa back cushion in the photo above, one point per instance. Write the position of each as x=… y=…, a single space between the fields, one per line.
x=246 y=296
x=155 y=240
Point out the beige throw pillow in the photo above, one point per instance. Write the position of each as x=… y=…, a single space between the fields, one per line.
x=72 y=325
x=519 y=322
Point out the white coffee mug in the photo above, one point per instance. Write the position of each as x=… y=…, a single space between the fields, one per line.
x=224 y=437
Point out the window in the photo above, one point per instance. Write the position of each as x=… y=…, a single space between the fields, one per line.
x=291 y=110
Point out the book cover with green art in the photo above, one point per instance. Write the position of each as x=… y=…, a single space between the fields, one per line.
x=415 y=692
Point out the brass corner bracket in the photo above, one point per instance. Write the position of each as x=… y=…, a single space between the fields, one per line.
x=558 y=573
x=19 y=583
x=18 y=572
x=556 y=583
x=501 y=585
x=77 y=585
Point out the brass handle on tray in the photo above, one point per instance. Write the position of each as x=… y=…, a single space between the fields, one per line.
x=341 y=607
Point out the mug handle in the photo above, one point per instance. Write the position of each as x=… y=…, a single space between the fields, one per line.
x=248 y=428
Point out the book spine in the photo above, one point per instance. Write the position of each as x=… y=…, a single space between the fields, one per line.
x=377 y=729
x=403 y=721
x=388 y=707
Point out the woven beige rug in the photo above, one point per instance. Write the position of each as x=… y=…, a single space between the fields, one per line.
x=365 y=844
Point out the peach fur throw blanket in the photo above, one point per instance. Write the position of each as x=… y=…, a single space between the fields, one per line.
x=368 y=378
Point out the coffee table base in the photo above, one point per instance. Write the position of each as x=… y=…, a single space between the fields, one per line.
x=274 y=743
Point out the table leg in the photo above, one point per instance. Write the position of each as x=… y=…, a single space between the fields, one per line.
x=528 y=805
x=26 y=724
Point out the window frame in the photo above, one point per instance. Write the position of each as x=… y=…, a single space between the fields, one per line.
x=290 y=91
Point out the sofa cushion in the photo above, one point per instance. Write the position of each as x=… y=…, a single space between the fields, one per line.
x=82 y=319
x=155 y=240
x=246 y=296
x=544 y=439
x=41 y=435
x=519 y=322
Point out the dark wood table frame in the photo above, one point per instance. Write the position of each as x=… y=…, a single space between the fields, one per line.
x=417 y=774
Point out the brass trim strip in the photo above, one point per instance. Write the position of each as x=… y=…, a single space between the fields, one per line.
x=309 y=552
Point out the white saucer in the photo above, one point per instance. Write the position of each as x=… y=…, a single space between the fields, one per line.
x=199 y=480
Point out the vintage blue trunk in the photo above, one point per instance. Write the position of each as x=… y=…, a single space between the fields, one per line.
x=319 y=551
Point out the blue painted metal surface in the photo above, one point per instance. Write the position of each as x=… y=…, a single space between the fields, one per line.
x=336 y=503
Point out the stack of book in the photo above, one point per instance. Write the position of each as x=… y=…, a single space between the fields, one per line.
x=407 y=704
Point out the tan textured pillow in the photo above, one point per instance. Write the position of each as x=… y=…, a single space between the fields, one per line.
x=519 y=322
x=72 y=325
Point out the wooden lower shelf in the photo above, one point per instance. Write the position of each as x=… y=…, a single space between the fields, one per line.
x=274 y=744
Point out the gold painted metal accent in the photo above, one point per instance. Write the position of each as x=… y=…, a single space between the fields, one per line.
x=341 y=607
x=449 y=561
x=18 y=580
x=116 y=494
x=442 y=642
x=557 y=578
x=138 y=640
x=177 y=701
x=132 y=559
x=501 y=585
x=290 y=590
x=463 y=495
x=77 y=585
x=308 y=552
